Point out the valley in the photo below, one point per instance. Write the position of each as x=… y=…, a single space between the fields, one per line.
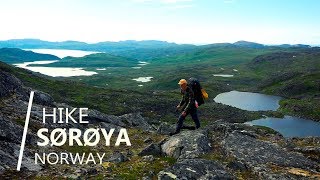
x=141 y=95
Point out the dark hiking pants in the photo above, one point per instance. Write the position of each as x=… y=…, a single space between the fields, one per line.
x=194 y=116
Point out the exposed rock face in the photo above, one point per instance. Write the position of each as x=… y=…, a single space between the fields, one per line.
x=10 y=139
x=152 y=149
x=8 y=84
x=260 y=155
x=187 y=144
x=238 y=147
x=195 y=169
x=137 y=121
x=127 y=120
x=165 y=128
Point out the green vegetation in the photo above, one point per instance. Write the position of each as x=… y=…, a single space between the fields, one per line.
x=94 y=60
x=14 y=55
x=292 y=73
x=143 y=50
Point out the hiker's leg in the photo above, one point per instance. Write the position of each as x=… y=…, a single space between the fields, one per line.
x=180 y=123
x=194 y=115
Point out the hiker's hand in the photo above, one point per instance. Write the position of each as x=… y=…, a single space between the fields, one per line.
x=177 y=108
x=183 y=113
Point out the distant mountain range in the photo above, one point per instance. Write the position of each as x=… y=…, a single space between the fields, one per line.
x=147 y=49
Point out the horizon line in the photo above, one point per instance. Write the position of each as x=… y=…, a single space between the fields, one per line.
x=196 y=44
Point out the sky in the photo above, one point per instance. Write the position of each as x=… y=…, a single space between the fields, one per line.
x=179 y=21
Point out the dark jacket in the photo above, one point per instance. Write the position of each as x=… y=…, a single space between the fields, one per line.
x=187 y=102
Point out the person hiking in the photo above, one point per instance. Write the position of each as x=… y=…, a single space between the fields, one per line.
x=188 y=106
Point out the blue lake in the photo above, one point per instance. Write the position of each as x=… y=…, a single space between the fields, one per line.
x=249 y=101
x=290 y=126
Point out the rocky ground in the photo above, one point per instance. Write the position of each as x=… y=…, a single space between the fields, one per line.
x=220 y=150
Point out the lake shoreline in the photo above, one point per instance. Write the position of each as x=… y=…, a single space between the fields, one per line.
x=253 y=102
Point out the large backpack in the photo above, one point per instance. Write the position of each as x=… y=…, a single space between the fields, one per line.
x=199 y=93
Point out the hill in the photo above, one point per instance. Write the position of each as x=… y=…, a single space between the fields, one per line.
x=14 y=55
x=98 y=60
x=294 y=75
x=146 y=49
x=142 y=50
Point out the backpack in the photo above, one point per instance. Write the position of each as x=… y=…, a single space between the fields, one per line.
x=199 y=93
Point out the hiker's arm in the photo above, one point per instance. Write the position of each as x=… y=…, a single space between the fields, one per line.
x=191 y=101
x=182 y=100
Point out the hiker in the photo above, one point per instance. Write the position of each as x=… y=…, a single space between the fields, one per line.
x=188 y=106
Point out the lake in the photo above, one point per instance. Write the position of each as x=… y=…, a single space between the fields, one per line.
x=290 y=126
x=249 y=101
x=58 y=71
x=55 y=71
x=61 y=53
x=143 y=79
x=223 y=75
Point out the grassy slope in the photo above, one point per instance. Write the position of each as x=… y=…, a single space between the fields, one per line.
x=293 y=75
x=167 y=71
x=274 y=73
x=97 y=60
x=14 y=55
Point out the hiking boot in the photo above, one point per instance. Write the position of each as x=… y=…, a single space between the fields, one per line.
x=173 y=133
x=188 y=127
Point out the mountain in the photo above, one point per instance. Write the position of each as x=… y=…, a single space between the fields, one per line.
x=248 y=44
x=295 y=45
x=39 y=44
x=14 y=55
x=142 y=50
x=132 y=49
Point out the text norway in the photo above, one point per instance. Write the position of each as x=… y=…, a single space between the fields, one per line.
x=74 y=136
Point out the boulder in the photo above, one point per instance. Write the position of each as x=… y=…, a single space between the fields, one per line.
x=135 y=120
x=260 y=156
x=118 y=157
x=187 y=144
x=195 y=169
x=152 y=149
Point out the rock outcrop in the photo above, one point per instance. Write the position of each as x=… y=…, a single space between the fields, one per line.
x=195 y=169
x=222 y=149
x=187 y=144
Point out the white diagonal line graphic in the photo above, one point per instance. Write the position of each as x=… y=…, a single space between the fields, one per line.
x=26 y=123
